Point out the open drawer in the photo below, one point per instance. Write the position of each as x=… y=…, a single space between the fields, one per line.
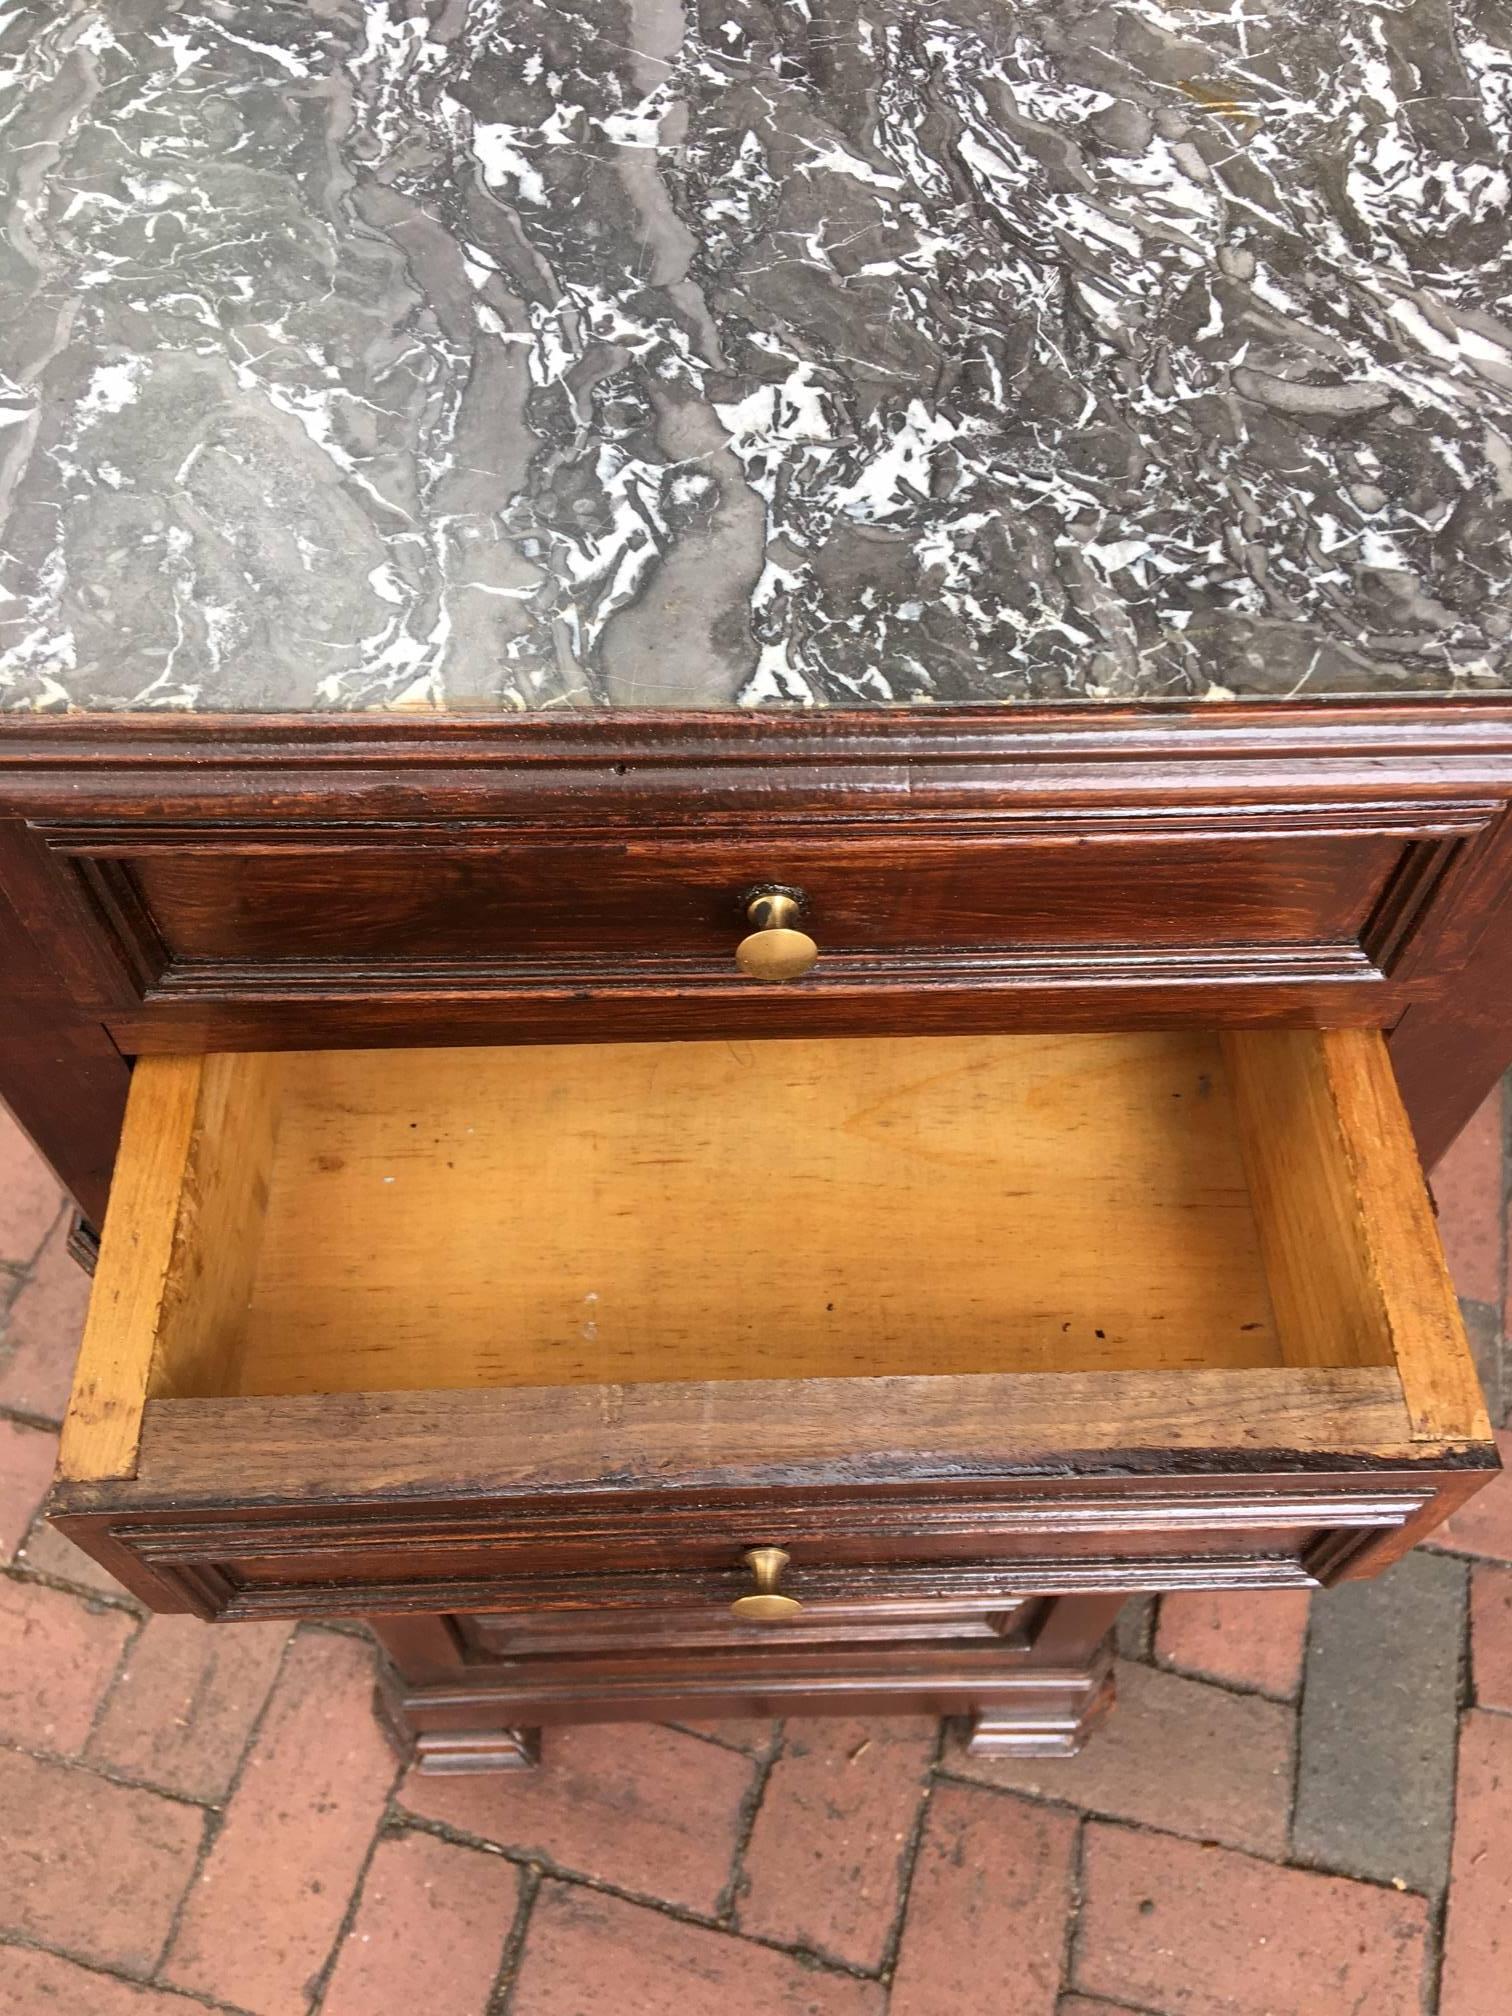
x=944 y=1318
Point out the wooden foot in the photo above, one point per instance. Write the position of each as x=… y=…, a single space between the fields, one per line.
x=1055 y=1723
x=403 y=1714
x=455 y=1705
x=83 y=1242
x=455 y=1751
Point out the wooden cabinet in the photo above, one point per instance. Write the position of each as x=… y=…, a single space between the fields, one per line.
x=1101 y=1262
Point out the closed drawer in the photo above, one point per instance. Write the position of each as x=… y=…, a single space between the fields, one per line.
x=281 y=941
x=344 y=880
x=489 y=907
x=966 y=1319
x=821 y=1621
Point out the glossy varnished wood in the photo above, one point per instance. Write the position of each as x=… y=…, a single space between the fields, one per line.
x=1034 y=1692
x=61 y=1073
x=251 y=883
x=1454 y=1038
x=86 y=972
x=476 y=901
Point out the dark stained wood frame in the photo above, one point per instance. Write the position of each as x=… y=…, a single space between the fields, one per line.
x=1036 y=1692
x=1434 y=964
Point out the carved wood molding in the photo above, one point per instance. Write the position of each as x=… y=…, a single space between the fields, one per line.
x=339 y=796
x=236 y=1567
x=89 y=802
x=161 y=766
x=212 y=1587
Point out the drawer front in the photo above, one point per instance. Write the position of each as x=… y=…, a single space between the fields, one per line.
x=354 y=879
x=677 y=905
x=314 y=1560
x=270 y=940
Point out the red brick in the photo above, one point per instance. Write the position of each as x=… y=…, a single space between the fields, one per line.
x=30 y=1199
x=1248 y=1638
x=58 y=1655
x=986 y=1924
x=41 y=1337
x=1175 y=1754
x=1484 y=1525
x=27 y=1457
x=1175 y=1925
x=754 y=1734
x=184 y=1706
x=1478 y=1937
x=1491 y=1635
x=42 y=1984
x=825 y=1861
x=1467 y=1187
x=589 y=1953
x=422 y=1899
x=641 y=1807
x=265 y=1913
x=47 y=1551
x=89 y=1866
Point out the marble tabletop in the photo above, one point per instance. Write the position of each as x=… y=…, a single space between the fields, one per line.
x=491 y=354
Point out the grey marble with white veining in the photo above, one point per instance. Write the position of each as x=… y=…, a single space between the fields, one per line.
x=493 y=354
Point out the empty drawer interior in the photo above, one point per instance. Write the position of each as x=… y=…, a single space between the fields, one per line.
x=334 y=1222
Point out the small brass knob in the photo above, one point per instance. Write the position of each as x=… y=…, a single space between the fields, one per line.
x=767 y=1605
x=775 y=950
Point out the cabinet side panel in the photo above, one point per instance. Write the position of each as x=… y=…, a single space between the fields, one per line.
x=221 y=1216
x=1433 y=1358
x=1328 y=1303
x=102 y=1429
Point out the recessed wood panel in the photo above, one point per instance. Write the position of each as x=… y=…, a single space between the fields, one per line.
x=228 y=940
x=505 y=902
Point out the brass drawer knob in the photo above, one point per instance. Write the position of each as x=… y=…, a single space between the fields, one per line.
x=775 y=950
x=767 y=1604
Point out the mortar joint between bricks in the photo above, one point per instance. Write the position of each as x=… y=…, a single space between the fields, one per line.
x=735 y=1884
x=322 y=1979
x=108 y=1774
x=88 y=1964
x=909 y=1860
x=21 y=1571
x=682 y=1914
x=1075 y=1897
x=215 y=1818
x=501 y=1995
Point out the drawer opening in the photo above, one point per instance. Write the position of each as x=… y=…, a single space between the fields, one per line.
x=599 y=1215
x=409 y=1221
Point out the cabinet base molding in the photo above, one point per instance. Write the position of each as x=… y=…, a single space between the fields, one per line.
x=454 y=1711
x=1054 y=1721
x=451 y=1753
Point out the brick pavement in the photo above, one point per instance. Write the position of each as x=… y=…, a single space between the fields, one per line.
x=1297 y=1810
